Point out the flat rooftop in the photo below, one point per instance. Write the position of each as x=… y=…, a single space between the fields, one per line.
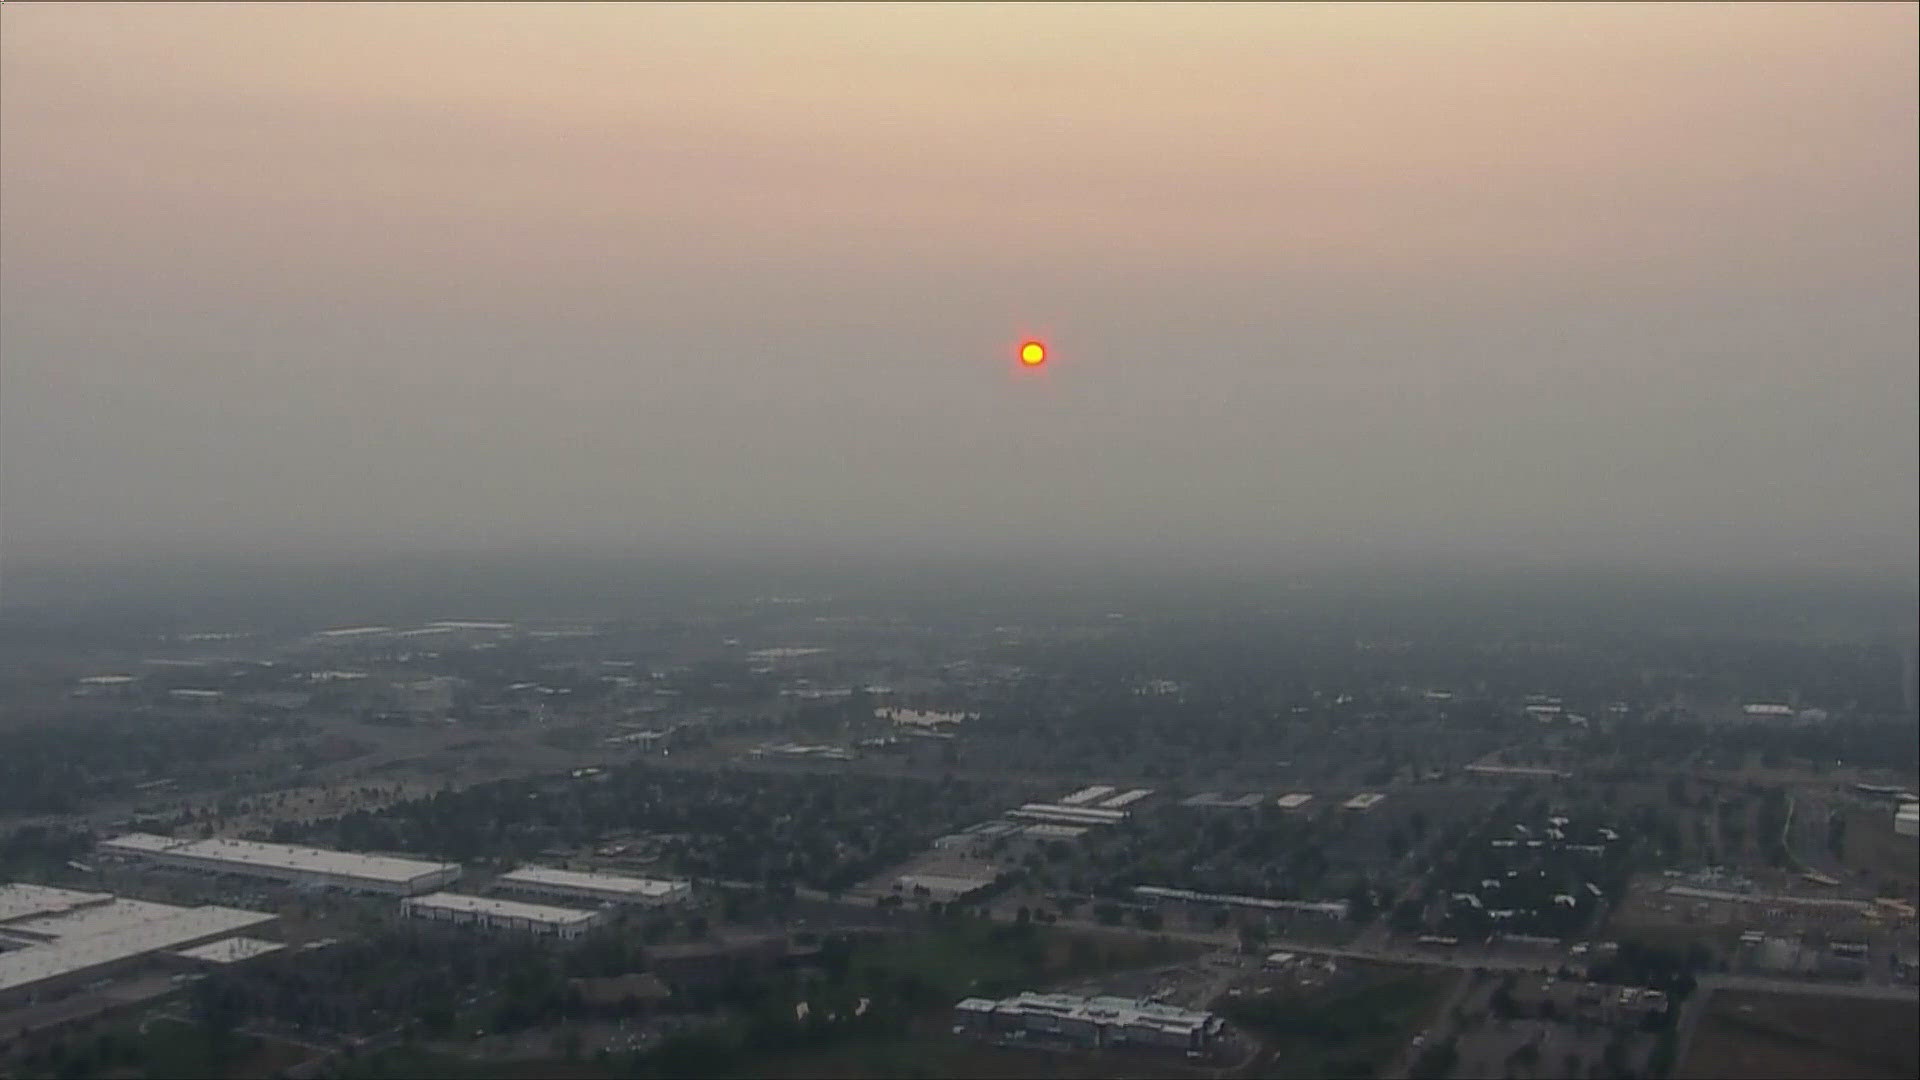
x=1046 y=830
x=645 y=888
x=28 y=901
x=116 y=914
x=141 y=842
x=1224 y=802
x=946 y=882
x=231 y=951
x=504 y=909
x=284 y=857
x=84 y=952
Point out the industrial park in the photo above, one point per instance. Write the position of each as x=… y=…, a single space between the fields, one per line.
x=1434 y=860
x=836 y=541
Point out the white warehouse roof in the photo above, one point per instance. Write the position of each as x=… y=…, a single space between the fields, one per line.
x=581 y=881
x=230 y=951
x=29 y=901
x=83 y=952
x=501 y=909
x=282 y=858
x=140 y=843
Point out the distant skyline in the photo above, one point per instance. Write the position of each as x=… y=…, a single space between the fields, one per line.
x=1620 y=284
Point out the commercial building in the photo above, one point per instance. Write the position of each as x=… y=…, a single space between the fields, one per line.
x=491 y=914
x=1906 y=820
x=58 y=939
x=18 y=902
x=1217 y=801
x=1068 y=815
x=1046 y=831
x=304 y=866
x=1531 y=771
x=1333 y=909
x=940 y=887
x=1295 y=802
x=1363 y=802
x=1087 y=795
x=1125 y=799
x=233 y=950
x=599 y=888
x=1088 y=1022
x=1831 y=905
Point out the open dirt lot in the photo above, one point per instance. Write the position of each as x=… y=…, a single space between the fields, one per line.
x=1789 y=1037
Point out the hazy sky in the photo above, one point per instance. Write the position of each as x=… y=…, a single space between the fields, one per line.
x=1622 y=282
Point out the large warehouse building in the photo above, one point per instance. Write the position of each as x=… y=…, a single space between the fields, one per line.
x=316 y=867
x=598 y=888
x=491 y=914
x=1089 y=1022
x=57 y=939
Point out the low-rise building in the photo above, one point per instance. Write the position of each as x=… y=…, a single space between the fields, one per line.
x=940 y=887
x=595 y=887
x=64 y=939
x=494 y=914
x=305 y=866
x=1089 y=1022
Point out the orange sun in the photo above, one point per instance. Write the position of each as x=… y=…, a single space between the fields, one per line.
x=1033 y=354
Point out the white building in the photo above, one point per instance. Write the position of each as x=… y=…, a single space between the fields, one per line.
x=1363 y=802
x=313 y=867
x=599 y=888
x=492 y=914
x=1294 y=802
x=70 y=938
x=1906 y=820
x=428 y=697
x=1333 y=909
x=941 y=888
x=1068 y=815
x=1090 y=1022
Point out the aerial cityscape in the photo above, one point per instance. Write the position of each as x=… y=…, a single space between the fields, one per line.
x=861 y=540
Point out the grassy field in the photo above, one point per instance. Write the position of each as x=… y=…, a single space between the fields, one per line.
x=941 y=1056
x=1789 y=1037
x=976 y=958
x=1355 y=1030
x=1874 y=847
x=952 y=962
x=919 y=1056
x=167 y=1049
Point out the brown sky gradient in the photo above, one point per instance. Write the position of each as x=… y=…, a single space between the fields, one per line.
x=1611 y=281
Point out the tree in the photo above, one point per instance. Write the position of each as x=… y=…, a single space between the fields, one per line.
x=1253 y=936
x=1360 y=904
